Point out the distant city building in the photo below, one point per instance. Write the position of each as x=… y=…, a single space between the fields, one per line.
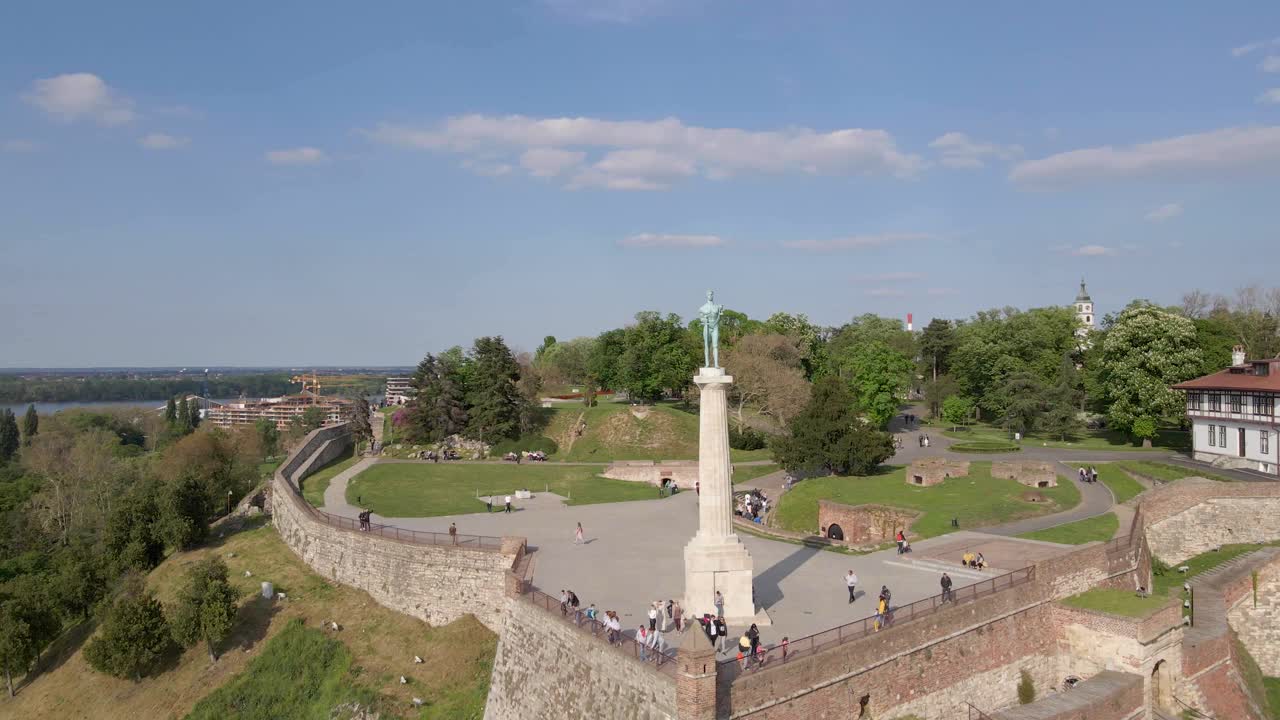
x=1084 y=314
x=1232 y=414
x=281 y=410
x=399 y=390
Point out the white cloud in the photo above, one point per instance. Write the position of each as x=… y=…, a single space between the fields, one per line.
x=1093 y=251
x=855 y=242
x=644 y=154
x=161 y=141
x=1164 y=212
x=958 y=150
x=883 y=292
x=663 y=240
x=549 y=162
x=1245 y=49
x=1270 y=97
x=19 y=145
x=1270 y=63
x=889 y=277
x=1227 y=151
x=74 y=96
x=297 y=156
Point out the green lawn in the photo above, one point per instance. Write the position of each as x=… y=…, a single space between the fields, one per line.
x=1102 y=527
x=1273 y=695
x=977 y=500
x=1122 y=485
x=421 y=490
x=314 y=485
x=1166 y=472
x=743 y=473
x=1117 y=602
x=1171 y=581
x=1089 y=440
x=267 y=467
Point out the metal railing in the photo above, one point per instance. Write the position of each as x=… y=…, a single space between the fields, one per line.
x=663 y=660
x=827 y=639
x=976 y=714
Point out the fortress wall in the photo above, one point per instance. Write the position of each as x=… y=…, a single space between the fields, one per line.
x=1195 y=515
x=547 y=669
x=436 y=583
x=1257 y=624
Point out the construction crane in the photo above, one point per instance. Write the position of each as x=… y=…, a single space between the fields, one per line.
x=309 y=384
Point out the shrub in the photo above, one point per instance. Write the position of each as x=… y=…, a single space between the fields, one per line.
x=134 y=637
x=1026 y=688
x=746 y=439
x=984 y=446
x=206 y=606
x=528 y=443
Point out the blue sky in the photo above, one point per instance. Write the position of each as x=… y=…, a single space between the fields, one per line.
x=319 y=183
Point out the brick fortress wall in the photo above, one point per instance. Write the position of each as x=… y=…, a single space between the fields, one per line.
x=1195 y=515
x=865 y=524
x=436 y=583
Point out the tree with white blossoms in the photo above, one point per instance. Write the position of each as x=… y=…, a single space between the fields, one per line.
x=1145 y=351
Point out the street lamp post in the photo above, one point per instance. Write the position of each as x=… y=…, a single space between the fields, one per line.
x=229 y=494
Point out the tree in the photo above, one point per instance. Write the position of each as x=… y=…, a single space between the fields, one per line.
x=361 y=428
x=1145 y=352
x=312 y=418
x=30 y=424
x=18 y=646
x=171 y=410
x=530 y=388
x=808 y=338
x=768 y=374
x=829 y=435
x=548 y=342
x=1024 y=402
x=998 y=343
x=206 y=607
x=133 y=639
x=878 y=376
x=1061 y=416
x=268 y=435
x=937 y=390
x=182 y=425
x=10 y=438
x=77 y=580
x=957 y=410
x=604 y=360
x=438 y=409
x=131 y=538
x=193 y=413
x=184 y=512
x=869 y=328
x=493 y=399
x=937 y=341
x=1144 y=428
x=567 y=362
x=659 y=355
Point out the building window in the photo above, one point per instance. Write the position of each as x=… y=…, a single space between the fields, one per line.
x=1222 y=436
x=1215 y=402
x=1264 y=442
x=1194 y=399
x=1263 y=405
x=1212 y=438
x=1236 y=403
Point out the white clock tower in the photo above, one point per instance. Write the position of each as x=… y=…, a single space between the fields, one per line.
x=1084 y=312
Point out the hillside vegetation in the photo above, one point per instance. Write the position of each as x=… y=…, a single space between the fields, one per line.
x=618 y=431
x=362 y=662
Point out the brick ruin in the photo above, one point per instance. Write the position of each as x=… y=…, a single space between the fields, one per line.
x=856 y=525
x=932 y=471
x=682 y=472
x=1030 y=473
x=936 y=661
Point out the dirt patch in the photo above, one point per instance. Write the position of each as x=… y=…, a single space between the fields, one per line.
x=624 y=429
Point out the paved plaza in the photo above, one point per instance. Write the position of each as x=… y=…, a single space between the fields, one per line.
x=634 y=555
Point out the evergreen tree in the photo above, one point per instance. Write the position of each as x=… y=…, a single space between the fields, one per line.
x=206 y=607
x=131 y=537
x=30 y=424
x=269 y=434
x=184 y=512
x=10 y=438
x=360 y=425
x=171 y=411
x=830 y=436
x=494 y=397
x=193 y=413
x=936 y=343
x=183 y=423
x=133 y=639
x=18 y=647
x=439 y=409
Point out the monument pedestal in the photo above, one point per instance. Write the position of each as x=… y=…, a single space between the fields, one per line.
x=715 y=559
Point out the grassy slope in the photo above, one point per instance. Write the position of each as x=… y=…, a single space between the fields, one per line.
x=1121 y=484
x=425 y=490
x=1102 y=527
x=614 y=433
x=1165 y=472
x=977 y=500
x=315 y=484
x=743 y=473
x=1117 y=602
x=1171 y=581
x=459 y=656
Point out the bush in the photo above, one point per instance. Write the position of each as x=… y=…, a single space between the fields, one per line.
x=528 y=443
x=1026 y=688
x=134 y=637
x=746 y=439
x=984 y=446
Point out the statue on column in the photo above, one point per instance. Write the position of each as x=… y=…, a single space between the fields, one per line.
x=709 y=314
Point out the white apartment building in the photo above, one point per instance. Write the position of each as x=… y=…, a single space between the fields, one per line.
x=399 y=390
x=1233 y=414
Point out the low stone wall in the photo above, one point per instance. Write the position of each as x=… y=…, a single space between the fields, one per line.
x=1195 y=515
x=932 y=471
x=864 y=524
x=436 y=583
x=682 y=472
x=1253 y=611
x=547 y=669
x=1029 y=473
x=1108 y=696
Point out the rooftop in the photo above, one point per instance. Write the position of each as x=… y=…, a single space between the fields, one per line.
x=1083 y=295
x=1257 y=375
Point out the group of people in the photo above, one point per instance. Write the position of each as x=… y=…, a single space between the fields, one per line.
x=364 y=520
x=516 y=457
x=923 y=440
x=1089 y=474
x=904 y=545
x=754 y=506
x=973 y=560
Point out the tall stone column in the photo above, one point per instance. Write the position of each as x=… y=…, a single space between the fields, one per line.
x=715 y=559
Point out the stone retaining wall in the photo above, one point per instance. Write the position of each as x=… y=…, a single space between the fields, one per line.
x=1029 y=473
x=1195 y=515
x=933 y=471
x=682 y=472
x=865 y=524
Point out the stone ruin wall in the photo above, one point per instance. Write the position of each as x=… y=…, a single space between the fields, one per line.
x=1029 y=473
x=865 y=524
x=932 y=471
x=1195 y=515
x=683 y=472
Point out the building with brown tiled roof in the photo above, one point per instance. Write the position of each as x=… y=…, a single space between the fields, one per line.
x=1233 y=414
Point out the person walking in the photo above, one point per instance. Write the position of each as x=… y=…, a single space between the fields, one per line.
x=677 y=613
x=753 y=634
x=722 y=630
x=744 y=650
x=709 y=626
x=453 y=533
x=508 y=505
x=653 y=616
x=946 y=588
x=642 y=639
x=577 y=535
x=564 y=602
x=719 y=603
x=697 y=488
x=900 y=538
x=1093 y=474
x=851 y=581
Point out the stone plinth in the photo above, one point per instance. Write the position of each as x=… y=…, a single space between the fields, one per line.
x=715 y=559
